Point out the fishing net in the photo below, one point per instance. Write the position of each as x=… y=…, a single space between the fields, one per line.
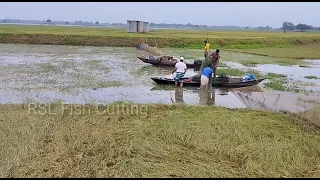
x=277 y=101
x=151 y=50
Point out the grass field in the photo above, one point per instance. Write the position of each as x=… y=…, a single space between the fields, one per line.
x=146 y=142
x=119 y=37
x=308 y=51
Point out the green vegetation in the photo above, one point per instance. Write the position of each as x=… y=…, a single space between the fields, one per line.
x=236 y=72
x=163 y=38
x=250 y=63
x=280 y=82
x=92 y=62
x=100 y=84
x=46 y=67
x=143 y=141
x=275 y=75
x=221 y=64
x=252 y=60
x=311 y=77
x=304 y=51
x=277 y=84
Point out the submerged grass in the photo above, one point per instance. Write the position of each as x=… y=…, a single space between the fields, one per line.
x=237 y=72
x=281 y=82
x=277 y=84
x=143 y=141
x=92 y=62
x=311 y=77
x=275 y=75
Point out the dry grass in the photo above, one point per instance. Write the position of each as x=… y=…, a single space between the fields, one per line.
x=171 y=141
x=312 y=115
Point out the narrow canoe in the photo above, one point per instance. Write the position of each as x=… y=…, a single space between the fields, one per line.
x=232 y=83
x=172 y=64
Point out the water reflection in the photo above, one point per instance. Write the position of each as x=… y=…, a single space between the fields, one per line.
x=179 y=95
x=211 y=97
x=207 y=97
x=150 y=70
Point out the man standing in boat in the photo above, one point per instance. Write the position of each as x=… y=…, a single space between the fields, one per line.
x=180 y=69
x=215 y=61
x=206 y=48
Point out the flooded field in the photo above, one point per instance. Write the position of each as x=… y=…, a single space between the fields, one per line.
x=45 y=73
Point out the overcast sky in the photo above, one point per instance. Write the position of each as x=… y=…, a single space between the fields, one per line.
x=209 y=13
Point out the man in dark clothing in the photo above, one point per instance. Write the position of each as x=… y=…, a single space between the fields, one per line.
x=215 y=57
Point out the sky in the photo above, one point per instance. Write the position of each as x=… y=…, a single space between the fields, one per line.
x=251 y=14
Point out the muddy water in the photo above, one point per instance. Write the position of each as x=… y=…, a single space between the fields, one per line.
x=46 y=73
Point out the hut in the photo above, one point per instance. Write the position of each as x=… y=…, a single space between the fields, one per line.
x=135 y=26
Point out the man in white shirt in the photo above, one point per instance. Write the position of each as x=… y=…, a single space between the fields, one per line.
x=180 y=70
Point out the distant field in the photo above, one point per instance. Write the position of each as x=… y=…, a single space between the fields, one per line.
x=308 y=51
x=164 y=33
x=119 y=37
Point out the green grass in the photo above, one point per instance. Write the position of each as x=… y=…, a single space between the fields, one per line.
x=249 y=63
x=275 y=75
x=92 y=62
x=253 y=60
x=280 y=82
x=305 y=51
x=311 y=77
x=236 y=72
x=277 y=84
x=163 y=38
x=185 y=141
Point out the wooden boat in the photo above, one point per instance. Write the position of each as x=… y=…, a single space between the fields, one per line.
x=231 y=83
x=171 y=64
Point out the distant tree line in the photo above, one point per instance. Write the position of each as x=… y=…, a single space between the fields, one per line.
x=189 y=25
x=49 y=21
x=287 y=26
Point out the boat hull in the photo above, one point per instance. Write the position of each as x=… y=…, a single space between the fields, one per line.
x=233 y=82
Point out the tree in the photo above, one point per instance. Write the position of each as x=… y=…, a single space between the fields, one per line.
x=288 y=26
x=97 y=23
x=303 y=27
x=49 y=21
x=247 y=27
